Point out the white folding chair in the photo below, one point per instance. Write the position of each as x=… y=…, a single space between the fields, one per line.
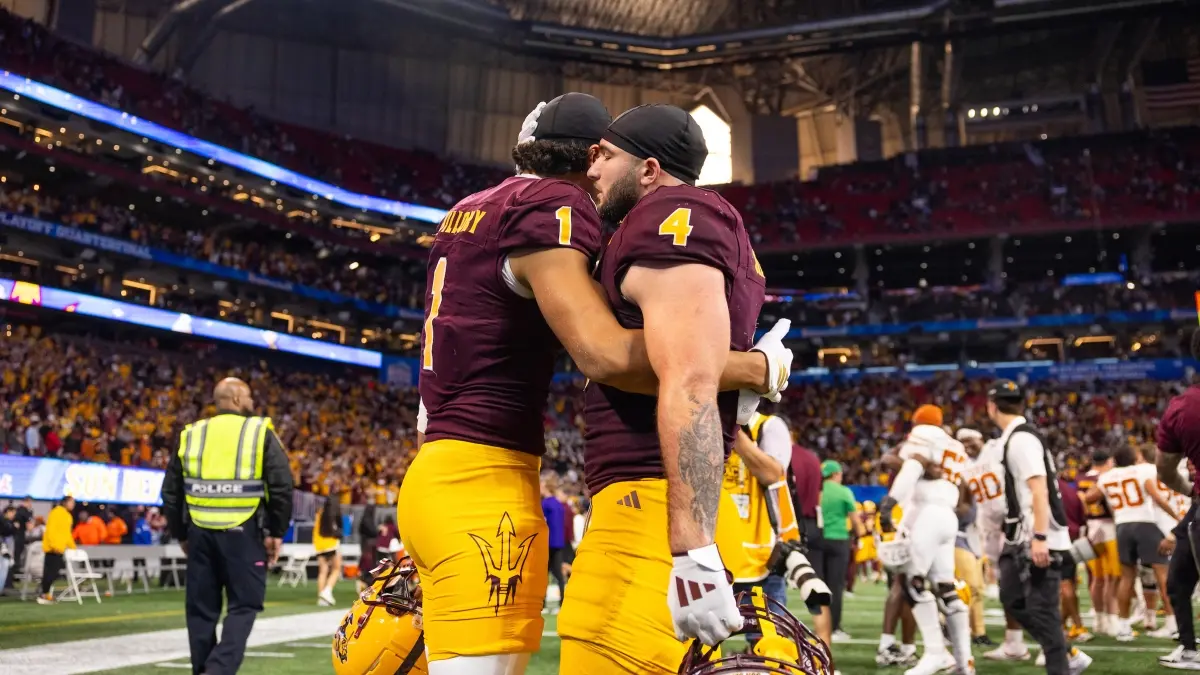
x=295 y=570
x=31 y=574
x=123 y=571
x=81 y=578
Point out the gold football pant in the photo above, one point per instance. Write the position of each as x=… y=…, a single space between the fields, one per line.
x=470 y=516
x=969 y=570
x=615 y=619
x=1107 y=563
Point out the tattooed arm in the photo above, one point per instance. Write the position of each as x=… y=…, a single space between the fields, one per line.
x=686 y=322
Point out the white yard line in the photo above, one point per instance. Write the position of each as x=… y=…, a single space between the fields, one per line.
x=125 y=651
x=328 y=644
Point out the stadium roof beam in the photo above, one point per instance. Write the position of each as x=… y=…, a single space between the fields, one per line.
x=158 y=36
x=936 y=20
x=200 y=42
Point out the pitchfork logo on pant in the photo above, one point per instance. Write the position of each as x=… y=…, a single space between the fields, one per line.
x=502 y=566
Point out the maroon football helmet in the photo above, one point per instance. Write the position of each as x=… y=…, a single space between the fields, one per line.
x=792 y=649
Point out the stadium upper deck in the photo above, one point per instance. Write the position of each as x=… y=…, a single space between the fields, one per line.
x=936 y=235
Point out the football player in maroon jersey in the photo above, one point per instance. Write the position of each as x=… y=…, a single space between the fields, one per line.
x=1178 y=438
x=508 y=279
x=647 y=575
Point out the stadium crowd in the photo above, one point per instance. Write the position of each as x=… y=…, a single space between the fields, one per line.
x=855 y=422
x=1111 y=179
x=94 y=400
x=1165 y=291
x=291 y=259
x=347 y=434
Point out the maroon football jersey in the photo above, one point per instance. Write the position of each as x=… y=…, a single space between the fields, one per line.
x=672 y=225
x=1179 y=428
x=487 y=354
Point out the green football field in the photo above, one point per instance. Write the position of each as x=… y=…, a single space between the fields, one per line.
x=28 y=625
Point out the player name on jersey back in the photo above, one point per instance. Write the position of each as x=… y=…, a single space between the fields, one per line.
x=672 y=226
x=1124 y=490
x=487 y=354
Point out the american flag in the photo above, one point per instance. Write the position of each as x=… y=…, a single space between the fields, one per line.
x=1171 y=83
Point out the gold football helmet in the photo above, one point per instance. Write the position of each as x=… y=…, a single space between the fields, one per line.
x=382 y=633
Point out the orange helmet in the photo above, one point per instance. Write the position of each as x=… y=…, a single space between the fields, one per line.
x=382 y=633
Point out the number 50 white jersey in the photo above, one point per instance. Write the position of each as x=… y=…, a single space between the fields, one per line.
x=937 y=447
x=1124 y=489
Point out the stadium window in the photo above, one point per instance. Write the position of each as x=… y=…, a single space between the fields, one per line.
x=718 y=167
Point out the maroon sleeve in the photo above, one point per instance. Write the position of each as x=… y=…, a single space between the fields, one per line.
x=1166 y=436
x=549 y=214
x=1073 y=505
x=680 y=229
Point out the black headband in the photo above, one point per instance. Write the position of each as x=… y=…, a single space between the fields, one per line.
x=573 y=116
x=664 y=132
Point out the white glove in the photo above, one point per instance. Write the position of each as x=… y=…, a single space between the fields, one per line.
x=779 y=369
x=779 y=358
x=529 y=126
x=701 y=598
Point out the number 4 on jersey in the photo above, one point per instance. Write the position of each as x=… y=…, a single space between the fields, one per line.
x=678 y=226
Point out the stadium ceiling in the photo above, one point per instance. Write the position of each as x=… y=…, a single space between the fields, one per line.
x=681 y=34
x=674 y=35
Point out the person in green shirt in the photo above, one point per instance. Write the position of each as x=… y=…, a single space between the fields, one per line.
x=838 y=511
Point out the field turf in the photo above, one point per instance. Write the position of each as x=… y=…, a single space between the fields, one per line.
x=28 y=624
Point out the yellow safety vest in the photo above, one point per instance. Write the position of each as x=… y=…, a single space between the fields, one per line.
x=744 y=535
x=222 y=460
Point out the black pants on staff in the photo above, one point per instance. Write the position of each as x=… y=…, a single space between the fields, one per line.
x=830 y=559
x=52 y=566
x=1182 y=577
x=1030 y=594
x=233 y=561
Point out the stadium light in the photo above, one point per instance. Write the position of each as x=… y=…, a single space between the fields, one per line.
x=718 y=167
x=276 y=174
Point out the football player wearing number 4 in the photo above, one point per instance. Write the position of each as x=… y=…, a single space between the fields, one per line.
x=930 y=518
x=647 y=575
x=509 y=278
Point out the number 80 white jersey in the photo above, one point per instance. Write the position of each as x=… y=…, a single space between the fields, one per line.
x=984 y=477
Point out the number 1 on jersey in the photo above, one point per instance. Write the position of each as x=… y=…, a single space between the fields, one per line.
x=439 y=281
x=564 y=225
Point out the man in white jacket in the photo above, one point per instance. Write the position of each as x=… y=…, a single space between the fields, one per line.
x=932 y=523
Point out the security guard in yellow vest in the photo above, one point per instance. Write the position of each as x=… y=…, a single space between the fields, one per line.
x=755 y=473
x=227 y=497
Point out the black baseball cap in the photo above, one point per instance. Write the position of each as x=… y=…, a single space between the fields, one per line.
x=666 y=133
x=573 y=116
x=1006 y=390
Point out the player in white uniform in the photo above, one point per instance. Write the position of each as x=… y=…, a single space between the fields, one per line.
x=1131 y=490
x=984 y=478
x=932 y=523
